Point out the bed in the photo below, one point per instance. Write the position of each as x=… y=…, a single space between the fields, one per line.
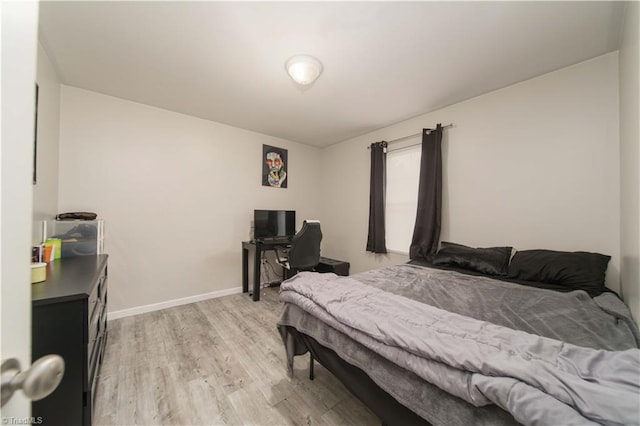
x=474 y=336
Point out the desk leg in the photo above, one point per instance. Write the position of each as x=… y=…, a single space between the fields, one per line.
x=256 y=273
x=245 y=270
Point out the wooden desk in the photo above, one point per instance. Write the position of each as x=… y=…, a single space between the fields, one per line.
x=256 y=248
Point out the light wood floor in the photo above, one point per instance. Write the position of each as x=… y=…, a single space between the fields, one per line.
x=220 y=361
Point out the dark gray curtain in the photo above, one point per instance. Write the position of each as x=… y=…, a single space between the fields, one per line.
x=426 y=233
x=376 y=239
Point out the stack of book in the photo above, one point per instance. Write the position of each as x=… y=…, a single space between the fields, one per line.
x=47 y=252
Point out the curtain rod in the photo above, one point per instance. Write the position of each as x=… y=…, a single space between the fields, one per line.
x=412 y=136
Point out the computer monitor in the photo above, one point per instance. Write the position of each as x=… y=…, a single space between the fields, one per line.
x=271 y=224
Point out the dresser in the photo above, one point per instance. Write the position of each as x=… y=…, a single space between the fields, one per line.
x=69 y=318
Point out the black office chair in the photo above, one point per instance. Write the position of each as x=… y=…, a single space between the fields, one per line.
x=304 y=252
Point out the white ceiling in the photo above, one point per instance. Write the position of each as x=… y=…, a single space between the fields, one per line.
x=384 y=62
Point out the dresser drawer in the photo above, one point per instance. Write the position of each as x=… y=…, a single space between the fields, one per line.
x=102 y=286
x=94 y=329
x=97 y=296
x=103 y=320
x=95 y=305
x=93 y=360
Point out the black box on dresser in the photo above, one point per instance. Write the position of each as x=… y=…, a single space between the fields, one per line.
x=69 y=318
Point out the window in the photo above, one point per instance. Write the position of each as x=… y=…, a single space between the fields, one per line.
x=403 y=175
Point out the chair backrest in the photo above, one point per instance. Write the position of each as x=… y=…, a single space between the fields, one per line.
x=305 y=246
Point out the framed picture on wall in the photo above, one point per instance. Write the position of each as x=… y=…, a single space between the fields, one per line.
x=35 y=140
x=274 y=166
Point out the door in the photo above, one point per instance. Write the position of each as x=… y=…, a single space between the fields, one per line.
x=19 y=26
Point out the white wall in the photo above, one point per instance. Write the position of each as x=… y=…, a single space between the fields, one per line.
x=630 y=159
x=533 y=165
x=177 y=193
x=45 y=191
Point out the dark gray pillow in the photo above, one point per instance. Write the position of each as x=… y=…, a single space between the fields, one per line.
x=489 y=261
x=578 y=270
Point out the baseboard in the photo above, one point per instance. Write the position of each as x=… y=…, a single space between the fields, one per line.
x=170 y=303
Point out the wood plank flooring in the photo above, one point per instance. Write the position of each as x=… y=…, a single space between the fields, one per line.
x=215 y=362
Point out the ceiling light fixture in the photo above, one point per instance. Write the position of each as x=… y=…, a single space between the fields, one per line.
x=303 y=69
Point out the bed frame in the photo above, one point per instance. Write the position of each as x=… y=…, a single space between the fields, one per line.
x=383 y=405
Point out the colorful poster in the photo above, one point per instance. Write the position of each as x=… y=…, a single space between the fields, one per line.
x=274 y=166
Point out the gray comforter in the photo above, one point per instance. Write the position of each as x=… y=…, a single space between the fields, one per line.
x=544 y=357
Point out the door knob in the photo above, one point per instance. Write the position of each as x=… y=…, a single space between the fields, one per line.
x=37 y=381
